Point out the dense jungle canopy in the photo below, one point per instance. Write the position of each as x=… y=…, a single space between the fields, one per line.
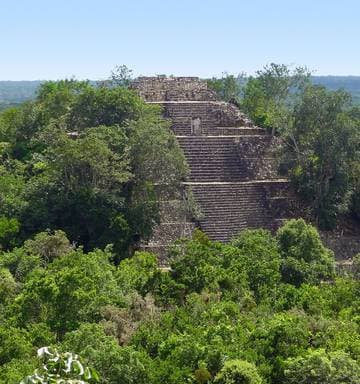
x=80 y=167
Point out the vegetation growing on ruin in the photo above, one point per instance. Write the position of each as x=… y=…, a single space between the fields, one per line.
x=320 y=129
x=85 y=160
x=78 y=174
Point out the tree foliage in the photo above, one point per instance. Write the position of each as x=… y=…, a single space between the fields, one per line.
x=85 y=160
x=223 y=313
x=305 y=259
x=80 y=171
x=318 y=367
x=270 y=96
x=228 y=87
x=319 y=129
x=323 y=149
x=238 y=372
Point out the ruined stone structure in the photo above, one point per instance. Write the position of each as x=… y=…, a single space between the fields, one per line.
x=233 y=178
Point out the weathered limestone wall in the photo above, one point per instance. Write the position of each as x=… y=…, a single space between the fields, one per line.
x=344 y=246
x=203 y=117
x=258 y=156
x=161 y=88
x=177 y=221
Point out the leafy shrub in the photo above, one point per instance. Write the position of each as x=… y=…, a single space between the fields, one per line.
x=238 y=372
x=304 y=257
x=318 y=367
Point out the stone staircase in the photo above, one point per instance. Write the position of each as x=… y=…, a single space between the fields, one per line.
x=225 y=158
x=212 y=158
x=213 y=116
x=229 y=207
x=233 y=173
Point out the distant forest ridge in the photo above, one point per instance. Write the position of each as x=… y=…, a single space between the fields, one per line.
x=350 y=84
x=13 y=93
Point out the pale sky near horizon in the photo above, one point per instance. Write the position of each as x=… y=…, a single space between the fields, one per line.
x=52 y=39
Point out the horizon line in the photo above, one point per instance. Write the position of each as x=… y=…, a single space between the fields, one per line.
x=73 y=77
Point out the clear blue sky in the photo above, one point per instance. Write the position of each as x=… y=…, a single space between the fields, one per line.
x=52 y=39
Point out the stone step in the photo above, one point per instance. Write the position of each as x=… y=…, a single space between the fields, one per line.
x=279 y=181
x=230 y=207
x=213 y=158
x=185 y=102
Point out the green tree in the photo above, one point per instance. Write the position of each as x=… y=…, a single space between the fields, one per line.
x=20 y=263
x=318 y=367
x=270 y=96
x=9 y=229
x=238 y=372
x=48 y=245
x=197 y=264
x=355 y=182
x=319 y=132
x=304 y=257
x=121 y=76
x=14 y=343
x=276 y=339
x=137 y=273
x=71 y=290
x=260 y=259
x=323 y=146
x=12 y=185
x=228 y=87
x=15 y=370
x=355 y=167
x=356 y=266
x=87 y=160
x=114 y=363
x=8 y=286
